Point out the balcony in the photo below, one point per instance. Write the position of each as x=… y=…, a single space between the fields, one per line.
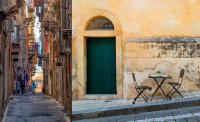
x=40 y=59
x=38 y=2
x=33 y=48
x=40 y=62
x=15 y=48
x=66 y=42
x=32 y=52
x=15 y=58
x=33 y=68
x=41 y=56
x=31 y=10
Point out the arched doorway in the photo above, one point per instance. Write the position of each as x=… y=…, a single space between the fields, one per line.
x=101 y=59
x=99 y=26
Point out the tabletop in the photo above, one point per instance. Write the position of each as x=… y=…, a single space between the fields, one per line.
x=159 y=76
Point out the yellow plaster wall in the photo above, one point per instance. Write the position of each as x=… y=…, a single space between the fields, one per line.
x=145 y=17
x=135 y=19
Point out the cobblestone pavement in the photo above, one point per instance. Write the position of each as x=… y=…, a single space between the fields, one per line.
x=86 y=106
x=188 y=114
x=34 y=108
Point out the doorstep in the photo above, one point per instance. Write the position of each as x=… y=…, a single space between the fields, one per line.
x=130 y=108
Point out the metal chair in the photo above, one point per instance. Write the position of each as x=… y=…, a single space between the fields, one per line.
x=140 y=90
x=176 y=85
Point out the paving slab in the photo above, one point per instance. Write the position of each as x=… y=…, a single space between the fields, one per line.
x=171 y=115
x=34 y=108
x=87 y=109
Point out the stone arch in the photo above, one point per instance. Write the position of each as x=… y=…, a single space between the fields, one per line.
x=83 y=33
x=100 y=13
x=100 y=23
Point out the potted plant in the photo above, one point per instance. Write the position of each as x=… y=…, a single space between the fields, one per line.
x=158 y=72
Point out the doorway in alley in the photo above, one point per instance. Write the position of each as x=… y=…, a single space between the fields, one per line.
x=101 y=65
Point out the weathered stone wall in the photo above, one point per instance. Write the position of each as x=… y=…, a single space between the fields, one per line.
x=146 y=56
x=163 y=47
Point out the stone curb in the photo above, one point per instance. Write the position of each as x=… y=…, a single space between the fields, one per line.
x=137 y=109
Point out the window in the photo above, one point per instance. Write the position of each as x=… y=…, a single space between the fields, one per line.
x=100 y=23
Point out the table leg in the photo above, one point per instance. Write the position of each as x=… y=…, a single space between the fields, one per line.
x=154 y=93
x=159 y=86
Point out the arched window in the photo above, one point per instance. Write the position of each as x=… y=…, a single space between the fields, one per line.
x=100 y=23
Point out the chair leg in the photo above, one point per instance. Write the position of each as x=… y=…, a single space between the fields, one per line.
x=139 y=93
x=179 y=92
x=144 y=97
x=169 y=92
x=175 y=90
x=172 y=93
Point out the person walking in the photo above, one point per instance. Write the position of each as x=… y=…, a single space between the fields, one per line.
x=34 y=85
x=27 y=79
x=22 y=82
x=18 y=86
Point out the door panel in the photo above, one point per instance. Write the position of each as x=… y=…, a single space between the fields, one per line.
x=101 y=66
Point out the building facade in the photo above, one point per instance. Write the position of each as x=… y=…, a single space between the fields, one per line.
x=56 y=51
x=16 y=35
x=111 y=40
x=8 y=9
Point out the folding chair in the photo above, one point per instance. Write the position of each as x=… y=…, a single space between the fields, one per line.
x=140 y=90
x=176 y=85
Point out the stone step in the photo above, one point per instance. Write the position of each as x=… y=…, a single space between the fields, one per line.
x=138 y=108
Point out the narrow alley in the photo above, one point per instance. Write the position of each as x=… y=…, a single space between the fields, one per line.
x=34 y=108
x=35 y=60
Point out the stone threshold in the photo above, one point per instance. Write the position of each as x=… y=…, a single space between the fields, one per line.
x=100 y=96
x=138 y=108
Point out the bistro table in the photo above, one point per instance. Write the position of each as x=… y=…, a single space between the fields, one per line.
x=159 y=85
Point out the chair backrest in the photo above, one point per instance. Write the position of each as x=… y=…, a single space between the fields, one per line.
x=181 y=76
x=134 y=79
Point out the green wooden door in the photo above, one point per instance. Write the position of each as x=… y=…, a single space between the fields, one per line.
x=101 y=66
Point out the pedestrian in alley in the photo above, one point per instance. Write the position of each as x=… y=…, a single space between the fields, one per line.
x=33 y=85
x=22 y=82
x=43 y=89
x=18 y=86
x=26 y=80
